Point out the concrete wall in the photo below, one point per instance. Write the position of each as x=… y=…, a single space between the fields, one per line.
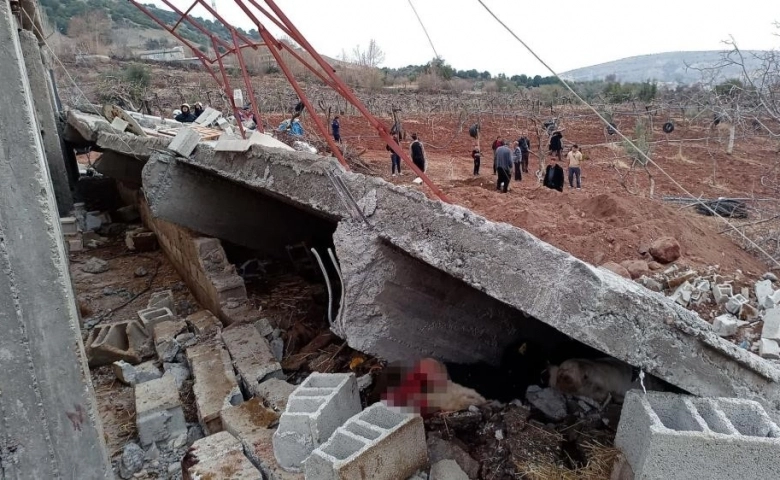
x=49 y=425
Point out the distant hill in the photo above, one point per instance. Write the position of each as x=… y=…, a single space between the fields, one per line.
x=667 y=67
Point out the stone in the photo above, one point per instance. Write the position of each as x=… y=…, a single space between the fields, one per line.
x=95 y=265
x=654 y=266
x=439 y=449
x=650 y=284
x=252 y=355
x=734 y=304
x=547 y=400
x=447 y=470
x=617 y=269
x=680 y=279
x=215 y=386
x=165 y=338
x=132 y=460
x=194 y=434
x=764 y=290
x=769 y=349
x=264 y=327
x=748 y=312
x=159 y=415
x=218 y=457
x=179 y=371
x=636 y=268
x=277 y=347
x=725 y=325
x=140 y=272
x=275 y=393
x=186 y=339
x=665 y=250
x=124 y=372
x=770 y=276
x=152 y=453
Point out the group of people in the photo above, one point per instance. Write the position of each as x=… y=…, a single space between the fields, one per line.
x=187 y=114
x=417 y=151
x=507 y=159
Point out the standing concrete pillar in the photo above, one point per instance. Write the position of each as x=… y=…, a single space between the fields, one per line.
x=49 y=425
x=44 y=111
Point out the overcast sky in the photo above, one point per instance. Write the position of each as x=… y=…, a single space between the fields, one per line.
x=567 y=34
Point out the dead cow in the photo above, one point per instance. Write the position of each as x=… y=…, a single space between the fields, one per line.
x=596 y=379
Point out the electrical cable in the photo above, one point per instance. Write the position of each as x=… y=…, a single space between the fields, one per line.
x=424 y=29
x=623 y=137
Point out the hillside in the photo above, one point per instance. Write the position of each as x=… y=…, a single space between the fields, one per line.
x=663 y=67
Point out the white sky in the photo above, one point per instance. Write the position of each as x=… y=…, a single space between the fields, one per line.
x=567 y=34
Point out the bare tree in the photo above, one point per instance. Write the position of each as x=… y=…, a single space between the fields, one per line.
x=372 y=56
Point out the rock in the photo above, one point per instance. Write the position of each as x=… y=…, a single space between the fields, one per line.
x=174 y=470
x=141 y=272
x=179 y=371
x=447 y=470
x=550 y=402
x=95 y=265
x=769 y=349
x=615 y=268
x=134 y=375
x=677 y=280
x=770 y=276
x=194 y=434
x=725 y=325
x=665 y=250
x=748 y=312
x=364 y=382
x=152 y=453
x=124 y=372
x=179 y=441
x=654 y=266
x=650 y=284
x=636 y=268
x=186 y=339
x=439 y=449
x=132 y=460
x=277 y=348
x=264 y=327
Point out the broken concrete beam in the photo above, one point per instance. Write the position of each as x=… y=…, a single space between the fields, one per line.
x=109 y=343
x=251 y=355
x=769 y=349
x=165 y=342
x=411 y=236
x=219 y=456
x=119 y=125
x=162 y=299
x=215 y=385
x=208 y=117
x=673 y=436
x=260 y=138
x=135 y=374
x=204 y=324
x=152 y=316
x=250 y=422
x=321 y=404
x=377 y=443
x=275 y=393
x=159 y=416
x=185 y=142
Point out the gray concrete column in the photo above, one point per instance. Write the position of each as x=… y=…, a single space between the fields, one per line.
x=38 y=77
x=49 y=424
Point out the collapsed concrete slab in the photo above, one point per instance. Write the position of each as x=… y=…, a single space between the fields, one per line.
x=527 y=284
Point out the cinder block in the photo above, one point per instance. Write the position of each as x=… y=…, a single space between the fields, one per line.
x=669 y=436
x=159 y=415
x=734 y=304
x=378 y=443
x=208 y=117
x=75 y=243
x=152 y=316
x=204 y=324
x=109 y=343
x=252 y=356
x=165 y=342
x=69 y=225
x=119 y=125
x=321 y=404
x=229 y=143
x=250 y=422
x=185 y=142
x=725 y=325
x=722 y=293
x=219 y=456
x=769 y=349
x=162 y=299
x=141 y=241
x=215 y=384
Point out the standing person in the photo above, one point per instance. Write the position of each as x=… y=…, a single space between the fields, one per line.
x=574 y=158
x=553 y=175
x=517 y=159
x=556 y=144
x=477 y=156
x=336 y=128
x=418 y=153
x=503 y=167
x=186 y=115
x=496 y=143
x=395 y=159
x=525 y=149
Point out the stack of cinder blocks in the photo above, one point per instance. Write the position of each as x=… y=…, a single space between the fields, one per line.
x=668 y=436
x=378 y=443
x=72 y=234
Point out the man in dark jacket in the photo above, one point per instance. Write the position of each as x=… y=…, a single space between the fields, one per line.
x=418 y=153
x=556 y=144
x=496 y=143
x=517 y=159
x=553 y=175
x=336 y=127
x=503 y=167
x=186 y=115
x=198 y=110
x=477 y=156
x=525 y=150
x=395 y=159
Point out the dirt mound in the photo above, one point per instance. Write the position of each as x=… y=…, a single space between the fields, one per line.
x=603 y=206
